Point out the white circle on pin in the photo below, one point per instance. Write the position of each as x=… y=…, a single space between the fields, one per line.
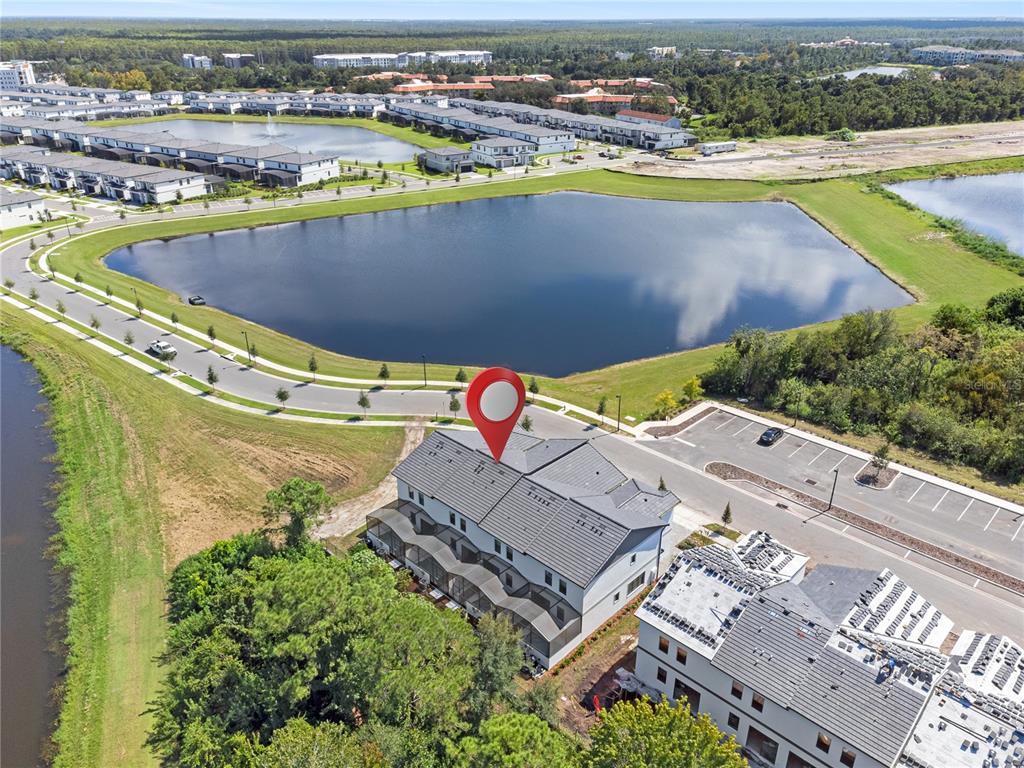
x=499 y=401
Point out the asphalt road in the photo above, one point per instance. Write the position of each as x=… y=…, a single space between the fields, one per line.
x=968 y=602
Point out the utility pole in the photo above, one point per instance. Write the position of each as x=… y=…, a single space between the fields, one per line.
x=424 y=359
x=248 y=349
x=835 y=479
x=618 y=413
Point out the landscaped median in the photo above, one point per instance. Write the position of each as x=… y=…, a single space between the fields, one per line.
x=900 y=242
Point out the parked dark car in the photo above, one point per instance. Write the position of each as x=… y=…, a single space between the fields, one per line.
x=770 y=436
x=196 y=301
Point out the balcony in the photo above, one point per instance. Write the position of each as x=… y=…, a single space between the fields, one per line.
x=479 y=581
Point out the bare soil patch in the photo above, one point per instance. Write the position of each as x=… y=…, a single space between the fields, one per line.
x=675 y=429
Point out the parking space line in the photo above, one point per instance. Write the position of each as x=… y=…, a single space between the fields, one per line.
x=731 y=419
x=748 y=425
x=991 y=519
x=940 y=501
x=816 y=457
x=965 y=509
x=915 y=493
x=837 y=464
x=1017 y=531
x=794 y=452
x=686 y=442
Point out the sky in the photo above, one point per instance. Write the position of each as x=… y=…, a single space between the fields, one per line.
x=517 y=9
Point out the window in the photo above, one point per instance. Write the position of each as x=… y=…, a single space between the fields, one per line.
x=412 y=493
x=737 y=690
x=636 y=583
x=560 y=613
x=497 y=546
x=663 y=644
x=757 y=702
x=508 y=579
x=681 y=655
x=561 y=586
x=616 y=598
x=662 y=675
x=632 y=558
x=419 y=494
x=508 y=552
x=547 y=578
x=847 y=758
x=734 y=720
x=824 y=743
x=451 y=518
x=462 y=524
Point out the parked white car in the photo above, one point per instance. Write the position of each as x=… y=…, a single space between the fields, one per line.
x=161 y=349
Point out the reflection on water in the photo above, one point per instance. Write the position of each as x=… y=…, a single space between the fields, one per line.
x=992 y=205
x=29 y=671
x=349 y=142
x=549 y=284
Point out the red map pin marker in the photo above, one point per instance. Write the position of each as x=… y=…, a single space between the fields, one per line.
x=494 y=400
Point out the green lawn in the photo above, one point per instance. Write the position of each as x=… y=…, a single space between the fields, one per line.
x=378 y=126
x=149 y=475
x=900 y=242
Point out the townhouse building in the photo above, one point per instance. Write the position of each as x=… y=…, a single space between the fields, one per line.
x=835 y=667
x=502 y=153
x=547 y=140
x=18 y=208
x=400 y=60
x=555 y=536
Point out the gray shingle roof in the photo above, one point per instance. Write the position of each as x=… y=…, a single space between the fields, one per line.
x=846 y=697
x=547 y=498
x=836 y=588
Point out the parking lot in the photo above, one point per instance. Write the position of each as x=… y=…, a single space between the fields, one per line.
x=934 y=512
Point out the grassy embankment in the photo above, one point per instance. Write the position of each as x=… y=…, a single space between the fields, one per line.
x=149 y=475
x=902 y=243
x=417 y=138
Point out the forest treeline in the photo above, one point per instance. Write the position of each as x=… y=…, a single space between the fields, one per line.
x=282 y=655
x=952 y=389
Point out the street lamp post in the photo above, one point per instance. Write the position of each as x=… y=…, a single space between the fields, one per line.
x=248 y=352
x=835 y=479
x=618 y=412
x=424 y=359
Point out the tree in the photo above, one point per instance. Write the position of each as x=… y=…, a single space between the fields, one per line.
x=664 y=404
x=8 y=284
x=122 y=215
x=526 y=423
x=454 y=406
x=211 y=334
x=129 y=338
x=514 y=740
x=248 y=203
x=692 y=390
x=300 y=744
x=313 y=365
x=139 y=306
x=1007 y=308
x=639 y=734
x=880 y=458
x=174 y=320
x=33 y=294
x=497 y=664
x=252 y=351
x=32 y=244
x=302 y=502
x=727 y=514
x=212 y=378
x=460 y=376
x=541 y=699
x=78 y=277
x=602 y=408
x=110 y=293
x=94 y=322
x=384 y=373
x=534 y=388
x=363 y=402
x=282 y=396
x=61 y=308
x=661 y=484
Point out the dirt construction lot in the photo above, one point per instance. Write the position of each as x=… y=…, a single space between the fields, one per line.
x=799 y=158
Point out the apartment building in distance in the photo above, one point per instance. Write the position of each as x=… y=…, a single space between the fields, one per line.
x=659 y=52
x=14 y=74
x=554 y=536
x=400 y=60
x=948 y=55
x=832 y=667
x=192 y=61
x=238 y=60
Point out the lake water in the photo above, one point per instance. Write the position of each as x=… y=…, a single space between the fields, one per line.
x=546 y=284
x=29 y=670
x=877 y=70
x=350 y=142
x=992 y=205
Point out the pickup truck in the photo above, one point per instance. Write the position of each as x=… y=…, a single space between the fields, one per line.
x=161 y=349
